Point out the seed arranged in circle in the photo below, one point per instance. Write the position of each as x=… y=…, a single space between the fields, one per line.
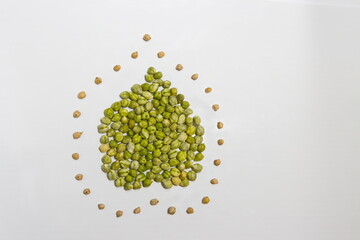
x=150 y=135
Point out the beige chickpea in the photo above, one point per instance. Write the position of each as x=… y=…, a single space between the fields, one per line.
x=179 y=67
x=117 y=68
x=195 y=76
x=134 y=55
x=189 y=210
x=154 y=202
x=86 y=191
x=215 y=107
x=76 y=114
x=119 y=213
x=98 y=80
x=160 y=54
x=79 y=177
x=81 y=95
x=146 y=37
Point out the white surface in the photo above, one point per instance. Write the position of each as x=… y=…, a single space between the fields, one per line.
x=284 y=74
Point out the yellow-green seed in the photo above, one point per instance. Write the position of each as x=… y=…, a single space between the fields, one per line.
x=86 y=191
x=194 y=76
x=146 y=37
x=205 y=200
x=134 y=55
x=104 y=148
x=154 y=202
x=189 y=210
x=119 y=213
x=75 y=156
x=76 y=114
x=171 y=210
x=81 y=95
x=117 y=68
x=77 y=135
x=160 y=54
x=101 y=206
x=179 y=67
x=98 y=80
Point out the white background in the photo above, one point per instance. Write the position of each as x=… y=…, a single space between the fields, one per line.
x=285 y=74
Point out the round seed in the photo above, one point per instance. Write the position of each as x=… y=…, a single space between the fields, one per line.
x=98 y=80
x=171 y=210
x=77 y=135
x=214 y=181
x=76 y=114
x=86 y=191
x=79 y=177
x=146 y=37
x=137 y=210
x=75 y=156
x=179 y=67
x=194 y=76
x=220 y=125
x=134 y=55
x=220 y=142
x=81 y=95
x=217 y=162
x=101 y=206
x=215 y=107
x=119 y=213
x=154 y=202
x=208 y=90
x=117 y=68
x=189 y=210
x=205 y=200
x=160 y=54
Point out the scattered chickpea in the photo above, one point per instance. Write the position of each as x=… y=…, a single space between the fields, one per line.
x=86 y=191
x=98 y=80
x=77 y=135
x=160 y=54
x=194 y=76
x=137 y=210
x=179 y=67
x=101 y=206
x=79 y=177
x=117 y=68
x=81 y=95
x=75 y=156
x=208 y=90
x=134 y=55
x=171 y=210
x=205 y=200
x=217 y=162
x=214 y=181
x=76 y=114
x=220 y=125
x=220 y=142
x=119 y=213
x=146 y=37
x=154 y=201
x=215 y=107
x=189 y=210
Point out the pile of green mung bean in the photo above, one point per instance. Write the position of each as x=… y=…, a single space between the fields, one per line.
x=150 y=135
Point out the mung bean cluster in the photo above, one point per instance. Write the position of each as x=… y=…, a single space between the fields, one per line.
x=150 y=135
